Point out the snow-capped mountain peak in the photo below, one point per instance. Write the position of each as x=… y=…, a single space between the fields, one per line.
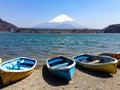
x=60 y=22
x=61 y=18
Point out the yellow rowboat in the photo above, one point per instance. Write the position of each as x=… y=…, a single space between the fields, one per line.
x=114 y=55
x=98 y=63
x=16 y=69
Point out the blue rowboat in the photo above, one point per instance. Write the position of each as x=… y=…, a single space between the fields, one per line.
x=16 y=69
x=98 y=63
x=61 y=66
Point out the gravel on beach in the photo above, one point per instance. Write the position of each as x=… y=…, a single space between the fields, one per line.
x=83 y=79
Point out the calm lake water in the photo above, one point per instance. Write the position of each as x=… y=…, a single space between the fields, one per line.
x=43 y=46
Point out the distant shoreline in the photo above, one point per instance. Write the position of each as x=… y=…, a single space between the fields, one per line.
x=32 y=30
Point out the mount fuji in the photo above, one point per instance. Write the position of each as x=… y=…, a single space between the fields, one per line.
x=62 y=21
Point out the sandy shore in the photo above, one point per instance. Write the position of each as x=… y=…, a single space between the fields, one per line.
x=83 y=79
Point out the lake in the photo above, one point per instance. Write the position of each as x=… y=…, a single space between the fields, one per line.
x=42 y=46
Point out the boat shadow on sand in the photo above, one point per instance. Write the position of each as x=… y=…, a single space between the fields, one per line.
x=52 y=79
x=94 y=73
x=1 y=84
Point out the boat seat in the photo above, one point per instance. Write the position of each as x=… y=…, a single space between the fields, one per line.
x=24 y=67
x=94 y=62
x=81 y=58
x=28 y=61
x=60 y=65
x=55 y=60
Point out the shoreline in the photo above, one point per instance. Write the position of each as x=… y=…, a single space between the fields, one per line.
x=83 y=79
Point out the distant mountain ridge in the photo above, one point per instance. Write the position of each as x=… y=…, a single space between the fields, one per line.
x=115 y=28
x=61 y=25
x=65 y=25
x=7 y=27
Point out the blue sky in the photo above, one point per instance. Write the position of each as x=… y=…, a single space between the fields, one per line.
x=89 y=13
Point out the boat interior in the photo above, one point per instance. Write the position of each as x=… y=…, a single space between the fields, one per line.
x=93 y=59
x=18 y=64
x=59 y=62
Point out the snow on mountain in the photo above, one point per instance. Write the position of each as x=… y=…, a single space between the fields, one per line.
x=61 y=18
x=60 y=22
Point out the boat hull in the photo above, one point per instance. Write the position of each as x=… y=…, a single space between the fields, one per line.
x=104 y=67
x=8 y=77
x=66 y=72
x=109 y=68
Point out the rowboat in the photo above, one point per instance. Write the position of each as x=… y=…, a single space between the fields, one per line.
x=61 y=66
x=98 y=63
x=16 y=69
x=114 y=55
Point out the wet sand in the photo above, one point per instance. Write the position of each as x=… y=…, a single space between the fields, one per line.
x=83 y=79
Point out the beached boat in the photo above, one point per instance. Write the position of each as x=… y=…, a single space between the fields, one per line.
x=98 y=63
x=114 y=55
x=16 y=69
x=61 y=66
